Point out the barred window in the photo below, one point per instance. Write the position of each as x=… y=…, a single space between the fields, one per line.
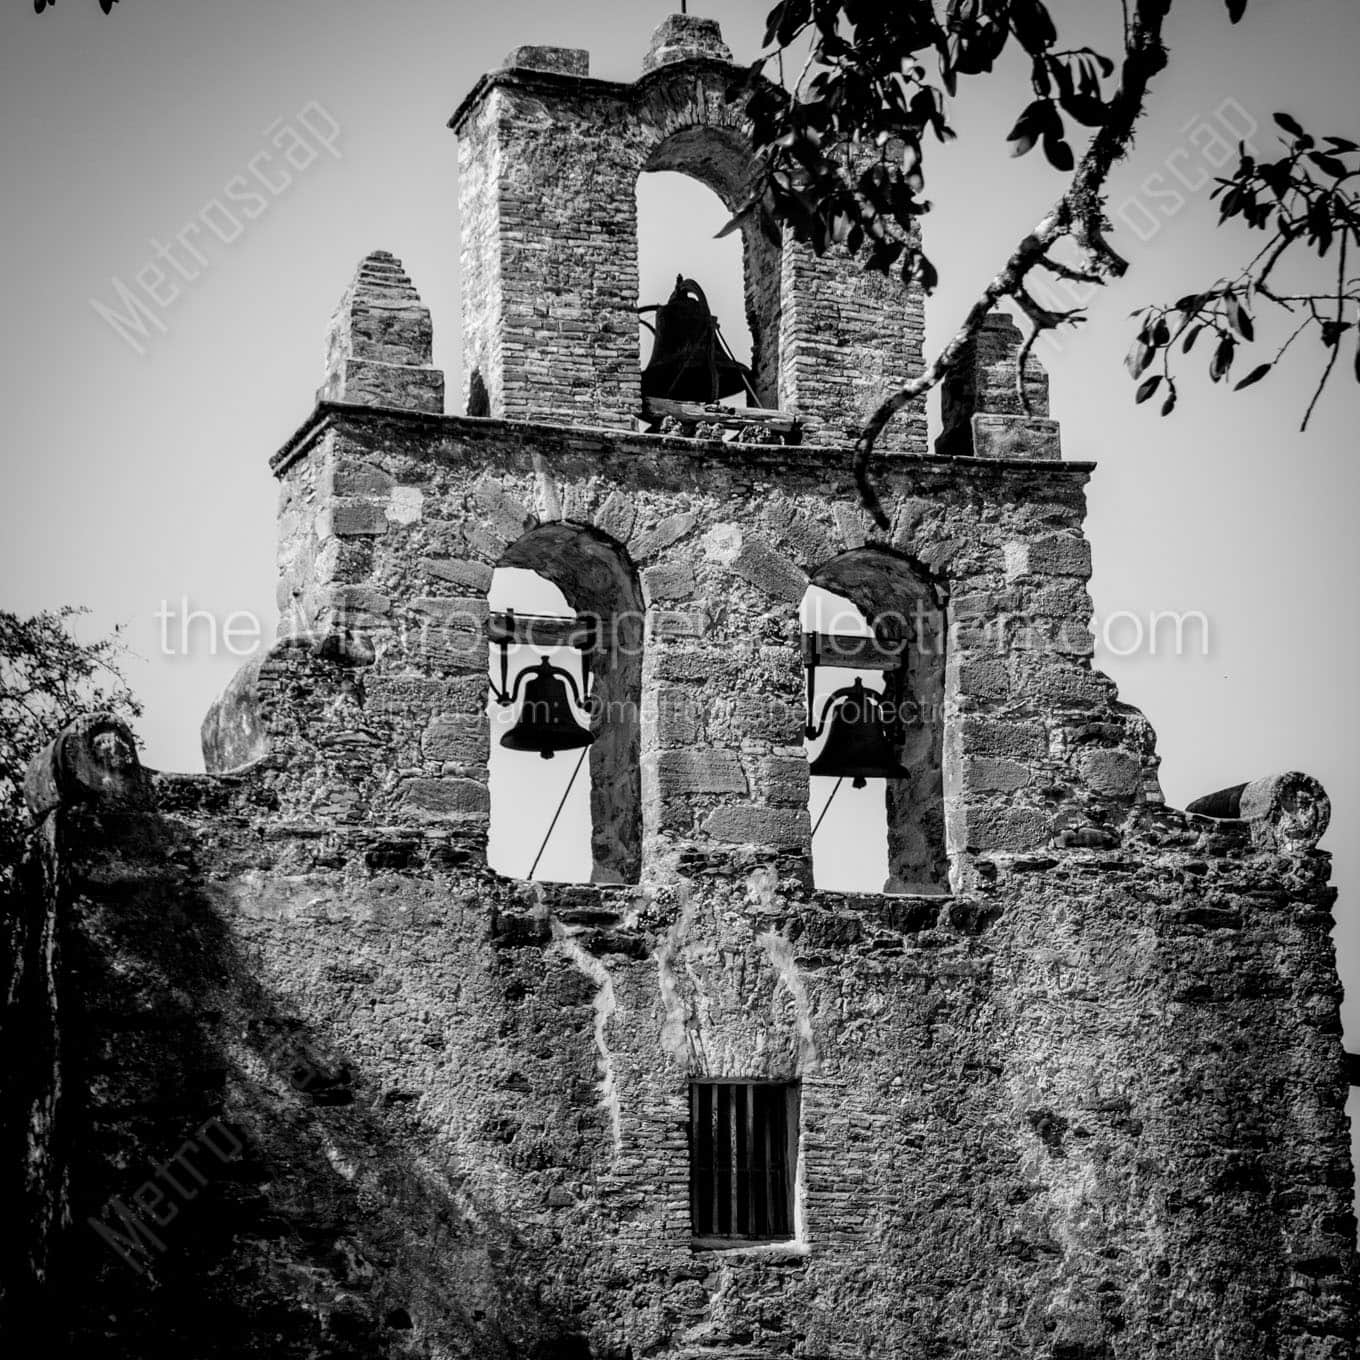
x=743 y=1147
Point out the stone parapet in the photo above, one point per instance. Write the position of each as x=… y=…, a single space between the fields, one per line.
x=379 y=347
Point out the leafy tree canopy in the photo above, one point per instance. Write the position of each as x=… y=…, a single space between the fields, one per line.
x=48 y=678
x=848 y=95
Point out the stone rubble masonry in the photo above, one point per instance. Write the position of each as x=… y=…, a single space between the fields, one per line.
x=564 y=61
x=685 y=37
x=981 y=411
x=1073 y=1090
x=379 y=350
x=548 y=166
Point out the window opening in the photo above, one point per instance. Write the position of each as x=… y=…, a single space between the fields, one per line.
x=743 y=1159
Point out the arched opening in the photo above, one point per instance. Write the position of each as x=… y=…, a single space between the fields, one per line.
x=874 y=629
x=688 y=191
x=575 y=605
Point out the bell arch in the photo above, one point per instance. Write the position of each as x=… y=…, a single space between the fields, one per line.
x=719 y=158
x=600 y=586
x=901 y=606
x=549 y=160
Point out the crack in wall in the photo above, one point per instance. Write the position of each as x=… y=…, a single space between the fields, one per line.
x=677 y=1037
x=605 y=1005
x=780 y=952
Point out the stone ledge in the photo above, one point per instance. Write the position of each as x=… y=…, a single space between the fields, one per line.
x=539 y=81
x=811 y=457
x=564 y=61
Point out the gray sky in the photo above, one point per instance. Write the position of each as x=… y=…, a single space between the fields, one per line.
x=134 y=479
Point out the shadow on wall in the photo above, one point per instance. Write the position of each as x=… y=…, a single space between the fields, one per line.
x=242 y=1183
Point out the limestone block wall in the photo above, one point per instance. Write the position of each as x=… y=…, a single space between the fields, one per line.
x=336 y=1095
x=403 y=518
x=548 y=162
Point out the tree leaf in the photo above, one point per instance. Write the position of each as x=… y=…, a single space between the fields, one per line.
x=1033 y=24
x=735 y=222
x=1290 y=125
x=1147 y=388
x=1223 y=358
x=924 y=273
x=1329 y=165
x=785 y=19
x=1254 y=376
x=1169 y=404
x=1059 y=154
x=1236 y=9
x=1241 y=322
x=1034 y=122
x=1139 y=357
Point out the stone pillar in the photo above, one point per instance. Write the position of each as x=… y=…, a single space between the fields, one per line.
x=548 y=213
x=686 y=37
x=379 y=347
x=848 y=339
x=981 y=409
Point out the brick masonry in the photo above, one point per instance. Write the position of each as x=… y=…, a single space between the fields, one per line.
x=548 y=166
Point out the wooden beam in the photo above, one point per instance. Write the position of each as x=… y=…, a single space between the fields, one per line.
x=540 y=630
x=859 y=653
x=730 y=417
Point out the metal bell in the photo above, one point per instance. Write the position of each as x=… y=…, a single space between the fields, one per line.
x=857 y=745
x=546 y=723
x=690 y=361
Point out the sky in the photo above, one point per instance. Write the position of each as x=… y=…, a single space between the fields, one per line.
x=137 y=482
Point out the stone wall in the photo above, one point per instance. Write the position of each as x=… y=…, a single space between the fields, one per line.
x=311 y=1080
x=1088 y=1103
x=403 y=518
x=334 y=1088
x=345 y=1093
x=548 y=164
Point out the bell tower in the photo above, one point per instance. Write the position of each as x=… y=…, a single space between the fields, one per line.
x=548 y=165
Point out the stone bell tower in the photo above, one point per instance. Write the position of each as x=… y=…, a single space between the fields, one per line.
x=1070 y=1087
x=548 y=166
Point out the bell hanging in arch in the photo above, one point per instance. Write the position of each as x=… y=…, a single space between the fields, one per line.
x=857 y=745
x=690 y=360
x=546 y=723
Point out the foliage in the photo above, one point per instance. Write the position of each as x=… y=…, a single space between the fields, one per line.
x=105 y=5
x=842 y=148
x=1301 y=200
x=48 y=678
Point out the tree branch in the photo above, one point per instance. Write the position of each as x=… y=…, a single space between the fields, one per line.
x=1078 y=213
x=1336 y=338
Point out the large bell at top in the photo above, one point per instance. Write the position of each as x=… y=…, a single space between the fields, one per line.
x=546 y=723
x=857 y=745
x=690 y=361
